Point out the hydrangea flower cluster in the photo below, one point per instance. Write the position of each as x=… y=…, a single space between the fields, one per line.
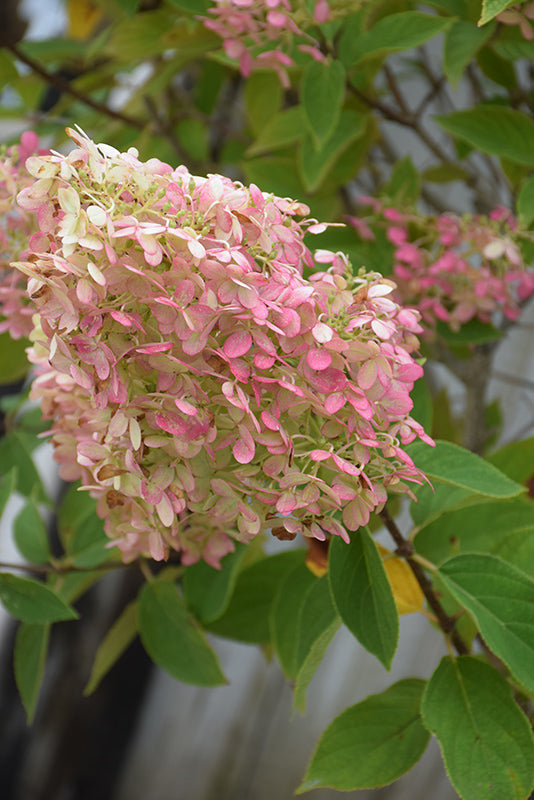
x=261 y=33
x=201 y=388
x=455 y=269
x=17 y=226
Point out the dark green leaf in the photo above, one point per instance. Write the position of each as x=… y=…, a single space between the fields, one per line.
x=318 y=623
x=81 y=530
x=129 y=6
x=207 y=591
x=444 y=173
x=372 y=743
x=362 y=594
x=29 y=657
x=462 y=42
x=285 y=616
x=473 y=332
x=15 y=452
x=501 y=600
x=322 y=93
x=30 y=535
x=485 y=739
x=316 y=164
x=14 y=364
x=32 y=602
x=494 y=129
x=7 y=487
x=115 y=642
x=171 y=639
x=247 y=616
x=516 y=460
x=192 y=6
x=422 y=404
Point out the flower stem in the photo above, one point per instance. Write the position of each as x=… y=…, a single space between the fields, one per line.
x=405 y=549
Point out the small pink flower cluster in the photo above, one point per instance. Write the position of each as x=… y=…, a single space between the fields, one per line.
x=16 y=228
x=520 y=14
x=201 y=388
x=455 y=269
x=258 y=33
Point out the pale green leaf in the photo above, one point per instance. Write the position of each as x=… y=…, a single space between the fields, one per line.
x=525 y=202
x=31 y=536
x=395 y=32
x=490 y=9
x=322 y=93
x=285 y=128
x=315 y=164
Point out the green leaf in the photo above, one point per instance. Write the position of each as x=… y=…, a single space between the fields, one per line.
x=8 y=70
x=404 y=185
x=501 y=600
x=444 y=173
x=129 y=6
x=171 y=639
x=31 y=536
x=247 y=616
x=15 y=452
x=494 y=129
x=29 y=658
x=7 y=487
x=473 y=332
x=497 y=69
x=490 y=9
x=318 y=623
x=316 y=164
x=422 y=410
x=516 y=460
x=462 y=42
x=192 y=6
x=283 y=129
x=525 y=202
x=517 y=548
x=263 y=99
x=14 y=364
x=372 y=743
x=275 y=174
x=207 y=591
x=285 y=616
x=32 y=602
x=485 y=739
x=477 y=529
x=115 y=642
x=452 y=464
x=322 y=93
x=396 y=32
x=193 y=135
x=432 y=502
x=362 y=594
x=81 y=531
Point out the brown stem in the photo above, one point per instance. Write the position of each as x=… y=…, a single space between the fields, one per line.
x=405 y=549
x=64 y=86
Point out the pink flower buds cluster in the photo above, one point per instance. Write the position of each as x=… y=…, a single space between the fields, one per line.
x=201 y=388
x=16 y=228
x=455 y=269
x=259 y=33
x=520 y=14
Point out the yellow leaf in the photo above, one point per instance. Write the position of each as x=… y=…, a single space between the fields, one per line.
x=406 y=591
x=84 y=17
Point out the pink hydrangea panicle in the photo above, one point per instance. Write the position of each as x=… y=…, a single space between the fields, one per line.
x=17 y=226
x=456 y=269
x=199 y=386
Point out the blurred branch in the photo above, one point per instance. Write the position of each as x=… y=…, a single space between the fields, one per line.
x=65 y=87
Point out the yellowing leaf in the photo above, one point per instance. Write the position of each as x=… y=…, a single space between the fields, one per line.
x=406 y=591
x=84 y=17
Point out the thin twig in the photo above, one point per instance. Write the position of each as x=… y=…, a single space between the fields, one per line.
x=405 y=549
x=64 y=86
